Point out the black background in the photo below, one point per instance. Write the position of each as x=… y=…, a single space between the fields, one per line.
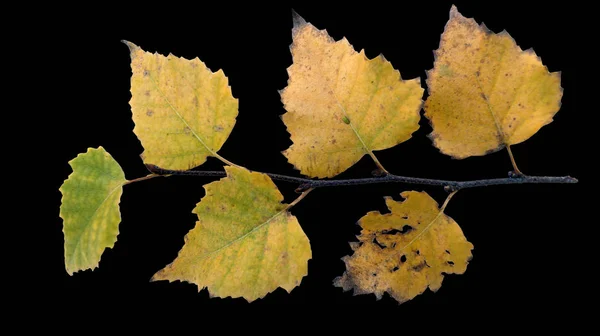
x=525 y=252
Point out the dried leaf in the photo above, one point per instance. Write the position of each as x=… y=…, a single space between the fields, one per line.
x=245 y=243
x=485 y=92
x=341 y=105
x=405 y=251
x=183 y=112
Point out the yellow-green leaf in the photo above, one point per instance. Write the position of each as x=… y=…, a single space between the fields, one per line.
x=183 y=112
x=341 y=105
x=405 y=251
x=245 y=243
x=90 y=208
x=485 y=92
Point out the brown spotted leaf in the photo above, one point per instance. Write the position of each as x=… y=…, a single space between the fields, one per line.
x=405 y=251
x=341 y=105
x=183 y=112
x=486 y=93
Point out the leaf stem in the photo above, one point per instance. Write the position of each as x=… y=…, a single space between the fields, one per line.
x=309 y=184
x=512 y=160
x=447 y=201
x=379 y=165
x=225 y=161
x=143 y=178
x=299 y=198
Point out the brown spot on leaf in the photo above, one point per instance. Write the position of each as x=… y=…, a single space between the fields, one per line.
x=218 y=128
x=149 y=113
x=419 y=267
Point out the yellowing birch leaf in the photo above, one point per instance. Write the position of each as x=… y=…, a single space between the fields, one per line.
x=405 y=251
x=341 y=105
x=183 y=112
x=245 y=243
x=485 y=92
x=90 y=208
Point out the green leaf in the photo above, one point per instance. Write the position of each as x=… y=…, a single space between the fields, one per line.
x=90 y=208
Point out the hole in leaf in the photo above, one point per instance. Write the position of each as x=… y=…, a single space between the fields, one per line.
x=391 y=231
x=374 y=274
x=403 y=259
x=381 y=246
x=395 y=269
x=451 y=263
x=405 y=229
x=418 y=252
x=447 y=251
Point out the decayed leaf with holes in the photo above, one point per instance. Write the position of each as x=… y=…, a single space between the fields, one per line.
x=245 y=243
x=485 y=92
x=90 y=208
x=183 y=112
x=341 y=105
x=405 y=251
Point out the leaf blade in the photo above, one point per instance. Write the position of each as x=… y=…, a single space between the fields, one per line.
x=90 y=208
x=406 y=251
x=245 y=243
x=338 y=101
x=485 y=92
x=183 y=112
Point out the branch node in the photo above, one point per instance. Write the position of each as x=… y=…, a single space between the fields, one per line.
x=153 y=168
x=302 y=188
x=379 y=172
x=514 y=174
x=450 y=188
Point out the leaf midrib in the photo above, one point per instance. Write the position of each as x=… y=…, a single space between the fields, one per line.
x=213 y=153
x=268 y=221
x=90 y=220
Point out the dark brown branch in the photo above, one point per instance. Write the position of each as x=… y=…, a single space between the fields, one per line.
x=306 y=183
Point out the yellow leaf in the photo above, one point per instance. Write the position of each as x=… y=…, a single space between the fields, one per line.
x=245 y=243
x=485 y=92
x=341 y=105
x=183 y=112
x=405 y=251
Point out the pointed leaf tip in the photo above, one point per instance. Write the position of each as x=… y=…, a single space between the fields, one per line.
x=297 y=19
x=132 y=47
x=454 y=11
